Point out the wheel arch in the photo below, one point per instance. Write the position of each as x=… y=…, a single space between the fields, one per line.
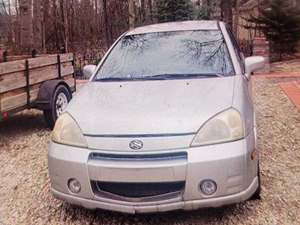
x=46 y=93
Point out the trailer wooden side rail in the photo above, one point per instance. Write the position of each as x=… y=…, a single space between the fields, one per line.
x=22 y=81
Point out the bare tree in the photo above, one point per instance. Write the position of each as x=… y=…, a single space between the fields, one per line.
x=226 y=11
x=208 y=6
x=236 y=17
x=73 y=25
x=131 y=12
x=26 y=25
x=150 y=10
x=64 y=5
x=106 y=25
x=143 y=11
x=37 y=25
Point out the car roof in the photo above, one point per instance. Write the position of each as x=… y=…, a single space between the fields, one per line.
x=176 y=26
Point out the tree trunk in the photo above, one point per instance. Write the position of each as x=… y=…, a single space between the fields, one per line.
x=236 y=17
x=226 y=12
x=10 y=24
x=131 y=13
x=26 y=31
x=208 y=7
x=150 y=8
x=56 y=27
x=96 y=16
x=37 y=25
x=106 y=25
x=45 y=20
x=72 y=21
x=64 y=6
x=143 y=11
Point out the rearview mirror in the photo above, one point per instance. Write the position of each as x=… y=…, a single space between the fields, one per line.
x=253 y=64
x=88 y=71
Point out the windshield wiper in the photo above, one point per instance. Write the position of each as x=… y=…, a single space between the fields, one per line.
x=108 y=79
x=161 y=77
x=182 y=76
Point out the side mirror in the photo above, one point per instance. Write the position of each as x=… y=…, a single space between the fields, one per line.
x=89 y=70
x=253 y=64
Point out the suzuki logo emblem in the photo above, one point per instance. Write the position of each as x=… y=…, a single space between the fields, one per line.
x=136 y=145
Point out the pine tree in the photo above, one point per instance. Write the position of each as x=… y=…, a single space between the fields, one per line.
x=173 y=10
x=280 y=22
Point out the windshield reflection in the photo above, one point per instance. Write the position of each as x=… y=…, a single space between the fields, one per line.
x=201 y=53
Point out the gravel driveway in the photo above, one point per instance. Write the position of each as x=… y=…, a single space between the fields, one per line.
x=24 y=187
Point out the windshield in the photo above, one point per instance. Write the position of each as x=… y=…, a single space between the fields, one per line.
x=167 y=55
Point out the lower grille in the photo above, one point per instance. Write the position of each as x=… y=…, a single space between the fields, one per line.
x=137 y=190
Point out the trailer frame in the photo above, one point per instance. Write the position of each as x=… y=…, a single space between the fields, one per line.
x=46 y=89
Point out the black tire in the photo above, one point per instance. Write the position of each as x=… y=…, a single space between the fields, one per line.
x=51 y=115
x=257 y=193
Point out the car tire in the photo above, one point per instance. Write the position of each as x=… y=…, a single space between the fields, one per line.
x=61 y=98
x=257 y=193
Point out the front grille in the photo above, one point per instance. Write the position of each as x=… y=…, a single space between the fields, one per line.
x=138 y=157
x=137 y=190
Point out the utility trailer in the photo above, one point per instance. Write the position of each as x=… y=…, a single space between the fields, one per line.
x=44 y=83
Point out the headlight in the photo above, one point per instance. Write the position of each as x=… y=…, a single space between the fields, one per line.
x=226 y=126
x=67 y=132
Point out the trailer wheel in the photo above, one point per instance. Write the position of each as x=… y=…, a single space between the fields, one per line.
x=61 y=98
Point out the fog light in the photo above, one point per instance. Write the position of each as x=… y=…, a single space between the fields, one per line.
x=208 y=187
x=74 y=186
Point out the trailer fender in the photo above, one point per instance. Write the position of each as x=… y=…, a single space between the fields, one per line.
x=46 y=93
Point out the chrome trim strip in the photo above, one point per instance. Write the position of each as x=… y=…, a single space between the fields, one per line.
x=139 y=135
x=139 y=157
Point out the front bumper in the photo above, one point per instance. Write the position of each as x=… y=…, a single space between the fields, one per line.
x=162 y=207
x=230 y=165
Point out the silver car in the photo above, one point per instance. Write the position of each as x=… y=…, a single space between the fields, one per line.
x=165 y=123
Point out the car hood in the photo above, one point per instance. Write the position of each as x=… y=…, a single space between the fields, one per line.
x=150 y=107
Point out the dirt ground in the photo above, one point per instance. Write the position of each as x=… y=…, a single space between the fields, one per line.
x=24 y=188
